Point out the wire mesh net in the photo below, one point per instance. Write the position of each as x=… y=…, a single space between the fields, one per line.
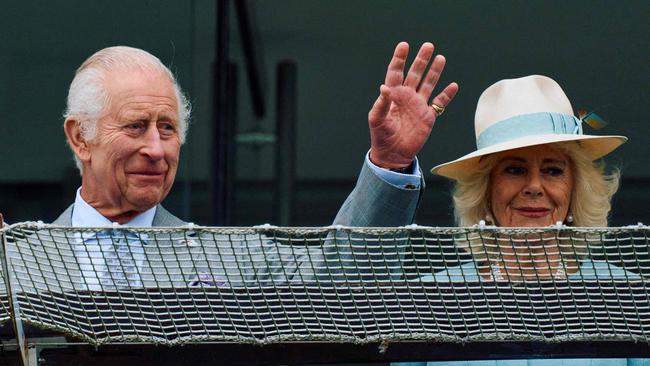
x=360 y=285
x=4 y=294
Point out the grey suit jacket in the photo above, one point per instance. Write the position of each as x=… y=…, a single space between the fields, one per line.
x=373 y=202
x=50 y=260
x=376 y=203
x=59 y=260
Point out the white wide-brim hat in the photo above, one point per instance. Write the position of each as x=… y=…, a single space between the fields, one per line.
x=528 y=111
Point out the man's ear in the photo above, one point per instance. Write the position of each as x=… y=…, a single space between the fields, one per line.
x=77 y=142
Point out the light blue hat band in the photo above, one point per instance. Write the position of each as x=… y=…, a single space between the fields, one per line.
x=529 y=125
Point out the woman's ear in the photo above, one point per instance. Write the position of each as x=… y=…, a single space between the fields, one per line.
x=76 y=140
x=489 y=217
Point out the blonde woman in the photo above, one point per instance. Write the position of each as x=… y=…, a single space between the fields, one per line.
x=533 y=167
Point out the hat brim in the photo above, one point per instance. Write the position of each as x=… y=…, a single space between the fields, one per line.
x=595 y=146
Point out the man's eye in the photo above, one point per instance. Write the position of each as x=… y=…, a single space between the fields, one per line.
x=167 y=128
x=135 y=126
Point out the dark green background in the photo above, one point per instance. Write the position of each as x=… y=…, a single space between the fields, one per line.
x=597 y=50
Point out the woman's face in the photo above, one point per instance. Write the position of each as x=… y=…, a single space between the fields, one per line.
x=531 y=186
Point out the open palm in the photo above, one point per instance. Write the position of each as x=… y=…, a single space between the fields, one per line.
x=401 y=119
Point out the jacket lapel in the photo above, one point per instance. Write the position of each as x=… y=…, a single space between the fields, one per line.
x=65 y=219
x=164 y=218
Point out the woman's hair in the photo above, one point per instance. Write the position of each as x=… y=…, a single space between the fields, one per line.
x=590 y=200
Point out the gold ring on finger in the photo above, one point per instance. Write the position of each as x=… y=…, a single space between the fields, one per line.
x=439 y=110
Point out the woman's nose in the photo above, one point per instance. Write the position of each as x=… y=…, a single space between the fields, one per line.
x=534 y=186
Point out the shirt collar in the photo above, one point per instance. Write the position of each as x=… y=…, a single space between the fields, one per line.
x=84 y=215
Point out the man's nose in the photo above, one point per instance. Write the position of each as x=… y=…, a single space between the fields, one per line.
x=152 y=144
x=534 y=186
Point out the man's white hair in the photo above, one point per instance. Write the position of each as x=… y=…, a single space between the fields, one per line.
x=88 y=98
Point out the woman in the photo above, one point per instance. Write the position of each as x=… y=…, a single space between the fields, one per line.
x=533 y=167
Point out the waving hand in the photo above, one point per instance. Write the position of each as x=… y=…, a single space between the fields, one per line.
x=401 y=119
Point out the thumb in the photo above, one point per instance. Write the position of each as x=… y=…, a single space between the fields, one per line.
x=381 y=107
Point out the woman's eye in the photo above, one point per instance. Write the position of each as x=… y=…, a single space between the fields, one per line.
x=553 y=171
x=515 y=170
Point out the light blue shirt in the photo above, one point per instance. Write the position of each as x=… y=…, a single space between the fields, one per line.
x=84 y=215
x=109 y=260
x=399 y=180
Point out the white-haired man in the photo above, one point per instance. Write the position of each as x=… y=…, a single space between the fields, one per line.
x=127 y=118
x=125 y=123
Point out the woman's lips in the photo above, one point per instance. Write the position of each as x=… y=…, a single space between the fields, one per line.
x=533 y=212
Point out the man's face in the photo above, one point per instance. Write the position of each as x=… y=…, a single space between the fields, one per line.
x=131 y=163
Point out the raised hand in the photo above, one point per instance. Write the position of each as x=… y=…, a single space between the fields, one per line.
x=402 y=118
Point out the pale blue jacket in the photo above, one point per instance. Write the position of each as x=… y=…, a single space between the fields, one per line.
x=589 y=269
x=376 y=203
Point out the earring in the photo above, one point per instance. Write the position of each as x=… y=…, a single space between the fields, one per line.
x=569 y=218
x=488 y=215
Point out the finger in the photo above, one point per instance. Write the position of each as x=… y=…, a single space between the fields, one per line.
x=381 y=107
x=395 y=72
x=420 y=63
x=446 y=96
x=432 y=77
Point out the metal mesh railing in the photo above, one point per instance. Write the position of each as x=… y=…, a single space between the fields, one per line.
x=5 y=304
x=266 y=284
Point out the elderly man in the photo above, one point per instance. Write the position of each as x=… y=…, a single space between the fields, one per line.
x=125 y=122
x=127 y=118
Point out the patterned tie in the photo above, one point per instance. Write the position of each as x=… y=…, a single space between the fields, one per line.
x=111 y=260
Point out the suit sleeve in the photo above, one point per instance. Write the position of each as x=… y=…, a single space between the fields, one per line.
x=375 y=202
x=355 y=257
x=343 y=256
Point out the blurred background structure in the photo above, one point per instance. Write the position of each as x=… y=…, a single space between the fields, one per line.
x=316 y=66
